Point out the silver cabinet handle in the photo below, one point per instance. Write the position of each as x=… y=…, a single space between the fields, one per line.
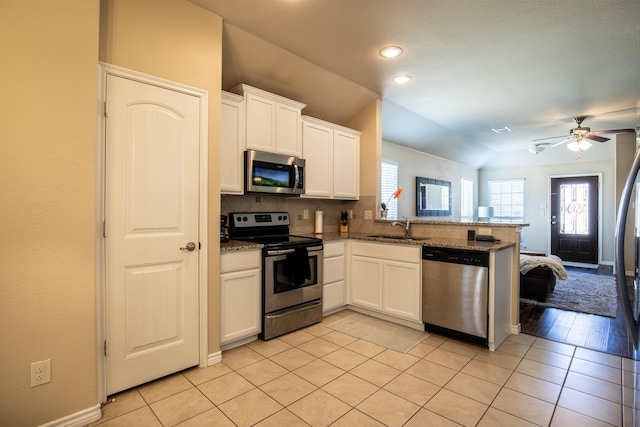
x=190 y=247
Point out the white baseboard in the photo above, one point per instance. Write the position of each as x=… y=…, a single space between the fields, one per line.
x=78 y=419
x=214 y=359
x=516 y=329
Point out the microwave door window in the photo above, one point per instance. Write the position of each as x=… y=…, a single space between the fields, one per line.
x=266 y=175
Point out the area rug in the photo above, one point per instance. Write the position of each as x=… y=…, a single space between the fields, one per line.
x=584 y=293
x=390 y=335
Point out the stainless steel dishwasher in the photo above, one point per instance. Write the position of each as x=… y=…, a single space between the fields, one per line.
x=455 y=291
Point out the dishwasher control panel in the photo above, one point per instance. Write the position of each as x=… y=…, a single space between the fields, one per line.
x=455 y=256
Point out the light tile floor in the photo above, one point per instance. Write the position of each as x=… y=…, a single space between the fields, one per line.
x=320 y=377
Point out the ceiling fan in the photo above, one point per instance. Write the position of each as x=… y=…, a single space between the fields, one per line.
x=578 y=137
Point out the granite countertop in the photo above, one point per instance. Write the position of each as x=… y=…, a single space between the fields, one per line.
x=438 y=242
x=238 y=245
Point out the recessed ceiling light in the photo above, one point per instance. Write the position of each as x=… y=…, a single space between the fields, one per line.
x=391 y=51
x=501 y=130
x=402 y=79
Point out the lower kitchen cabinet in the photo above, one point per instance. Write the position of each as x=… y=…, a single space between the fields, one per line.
x=386 y=278
x=401 y=287
x=240 y=295
x=333 y=290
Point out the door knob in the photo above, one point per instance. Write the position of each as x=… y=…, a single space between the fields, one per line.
x=190 y=247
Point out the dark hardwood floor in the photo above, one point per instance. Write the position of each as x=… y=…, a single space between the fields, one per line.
x=584 y=330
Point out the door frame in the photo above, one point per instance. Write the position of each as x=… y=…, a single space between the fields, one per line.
x=597 y=174
x=105 y=69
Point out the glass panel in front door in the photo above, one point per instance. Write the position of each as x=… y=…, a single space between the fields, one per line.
x=574 y=208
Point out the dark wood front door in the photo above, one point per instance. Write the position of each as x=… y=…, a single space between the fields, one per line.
x=574 y=219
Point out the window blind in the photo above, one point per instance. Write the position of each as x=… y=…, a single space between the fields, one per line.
x=388 y=185
x=466 y=200
x=507 y=199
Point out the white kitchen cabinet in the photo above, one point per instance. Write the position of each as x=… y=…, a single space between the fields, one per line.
x=366 y=282
x=332 y=155
x=333 y=290
x=400 y=295
x=232 y=144
x=240 y=295
x=273 y=123
x=386 y=278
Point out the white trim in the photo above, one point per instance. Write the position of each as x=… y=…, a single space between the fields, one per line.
x=105 y=69
x=81 y=418
x=214 y=359
x=599 y=175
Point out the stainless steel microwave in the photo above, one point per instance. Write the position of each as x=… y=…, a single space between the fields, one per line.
x=273 y=173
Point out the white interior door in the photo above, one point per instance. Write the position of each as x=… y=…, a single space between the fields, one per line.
x=152 y=214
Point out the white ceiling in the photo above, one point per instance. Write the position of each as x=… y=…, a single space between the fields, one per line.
x=476 y=65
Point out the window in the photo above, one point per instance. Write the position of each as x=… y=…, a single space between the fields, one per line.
x=388 y=185
x=466 y=200
x=507 y=199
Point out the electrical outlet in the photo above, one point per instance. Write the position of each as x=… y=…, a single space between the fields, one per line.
x=351 y=214
x=368 y=214
x=40 y=372
x=305 y=214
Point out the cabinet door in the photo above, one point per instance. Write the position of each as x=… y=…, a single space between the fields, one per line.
x=240 y=299
x=366 y=282
x=333 y=296
x=401 y=289
x=261 y=119
x=346 y=165
x=316 y=149
x=288 y=136
x=232 y=128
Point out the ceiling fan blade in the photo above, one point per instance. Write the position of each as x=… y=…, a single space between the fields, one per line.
x=550 y=137
x=600 y=132
x=596 y=138
x=561 y=142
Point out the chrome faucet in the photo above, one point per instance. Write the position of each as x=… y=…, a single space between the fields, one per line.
x=406 y=227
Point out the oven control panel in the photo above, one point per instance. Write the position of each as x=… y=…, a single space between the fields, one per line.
x=259 y=219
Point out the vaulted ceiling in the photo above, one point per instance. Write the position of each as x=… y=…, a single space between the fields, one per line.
x=530 y=66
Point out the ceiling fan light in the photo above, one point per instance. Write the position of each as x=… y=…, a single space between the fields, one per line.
x=573 y=146
x=584 y=145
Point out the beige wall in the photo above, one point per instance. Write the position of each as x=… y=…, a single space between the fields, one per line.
x=178 y=41
x=369 y=122
x=412 y=163
x=48 y=227
x=625 y=151
x=48 y=196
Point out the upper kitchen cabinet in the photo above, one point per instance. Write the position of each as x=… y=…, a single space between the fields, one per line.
x=232 y=134
x=273 y=123
x=332 y=156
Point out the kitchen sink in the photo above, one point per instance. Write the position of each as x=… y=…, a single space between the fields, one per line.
x=405 y=238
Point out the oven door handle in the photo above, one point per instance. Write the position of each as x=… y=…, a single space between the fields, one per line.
x=290 y=251
x=280 y=252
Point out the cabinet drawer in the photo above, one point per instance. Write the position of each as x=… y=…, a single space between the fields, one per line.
x=239 y=260
x=384 y=251
x=332 y=249
x=333 y=269
x=333 y=296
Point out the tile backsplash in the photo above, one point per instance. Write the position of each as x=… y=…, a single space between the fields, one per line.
x=295 y=206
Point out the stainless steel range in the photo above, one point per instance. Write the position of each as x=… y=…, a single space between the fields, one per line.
x=291 y=271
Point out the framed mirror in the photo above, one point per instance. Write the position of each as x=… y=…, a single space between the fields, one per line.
x=433 y=197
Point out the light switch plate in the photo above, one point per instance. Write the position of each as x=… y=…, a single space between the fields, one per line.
x=368 y=214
